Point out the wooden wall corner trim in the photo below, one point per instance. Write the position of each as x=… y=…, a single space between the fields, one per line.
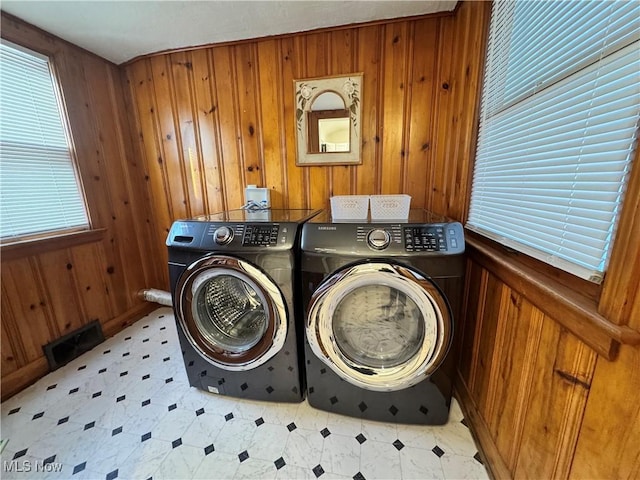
x=23 y=377
x=494 y=463
x=577 y=314
x=131 y=316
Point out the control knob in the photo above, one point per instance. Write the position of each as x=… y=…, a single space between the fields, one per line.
x=378 y=239
x=223 y=235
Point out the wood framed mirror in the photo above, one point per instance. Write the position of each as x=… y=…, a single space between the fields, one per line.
x=328 y=120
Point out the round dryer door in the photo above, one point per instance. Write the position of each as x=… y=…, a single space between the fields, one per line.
x=231 y=312
x=379 y=326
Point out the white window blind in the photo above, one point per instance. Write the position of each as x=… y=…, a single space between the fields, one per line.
x=39 y=191
x=558 y=126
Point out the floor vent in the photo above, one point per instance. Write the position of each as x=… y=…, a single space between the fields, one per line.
x=64 y=349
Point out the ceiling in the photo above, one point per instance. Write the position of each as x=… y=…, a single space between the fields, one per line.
x=122 y=30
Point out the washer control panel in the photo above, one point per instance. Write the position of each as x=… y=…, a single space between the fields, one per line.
x=260 y=235
x=378 y=239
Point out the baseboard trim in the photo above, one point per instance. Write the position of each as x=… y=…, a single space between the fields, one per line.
x=488 y=450
x=23 y=377
x=131 y=316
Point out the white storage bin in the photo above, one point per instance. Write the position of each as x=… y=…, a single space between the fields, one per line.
x=390 y=207
x=350 y=207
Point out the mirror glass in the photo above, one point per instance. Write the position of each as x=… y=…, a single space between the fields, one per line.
x=328 y=120
x=328 y=125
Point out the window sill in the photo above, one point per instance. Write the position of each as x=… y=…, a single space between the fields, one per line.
x=29 y=247
x=575 y=312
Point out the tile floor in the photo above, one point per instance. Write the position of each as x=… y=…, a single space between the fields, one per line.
x=125 y=410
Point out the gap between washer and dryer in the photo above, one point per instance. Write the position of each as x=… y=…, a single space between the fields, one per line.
x=125 y=410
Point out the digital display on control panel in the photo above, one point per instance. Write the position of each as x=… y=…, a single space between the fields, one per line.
x=260 y=235
x=425 y=239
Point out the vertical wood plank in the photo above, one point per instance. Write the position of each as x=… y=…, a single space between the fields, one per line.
x=181 y=82
x=227 y=119
x=608 y=446
x=561 y=383
x=295 y=196
x=396 y=43
x=476 y=281
x=89 y=283
x=26 y=300
x=486 y=342
x=169 y=141
x=57 y=273
x=317 y=65
x=250 y=131
x=271 y=113
x=369 y=63
x=341 y=61
x=207 y=130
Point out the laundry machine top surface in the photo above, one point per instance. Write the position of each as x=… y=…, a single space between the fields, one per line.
x=422 y=233
x=239 y=230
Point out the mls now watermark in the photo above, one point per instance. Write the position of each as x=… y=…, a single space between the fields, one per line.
x=28 y=466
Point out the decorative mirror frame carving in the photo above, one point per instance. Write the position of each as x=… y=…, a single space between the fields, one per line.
x=349 y=88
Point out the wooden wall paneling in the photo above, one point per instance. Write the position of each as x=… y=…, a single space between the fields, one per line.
x=315 y=51
x=295 y=196
x=455 y=180
x=8 y=357
x=394 y=96
x=206 y=130
x=250 y=126
x=91 y=160
x=342 y=61
x=467 y=329
x=608 y=446
x=140 y=79
x=510 y=382
x=170 y=153
x=436 y=193
x=122 y=239
x=560 y=386
x=186 y=128
x=421 y=110
x=25 y=299
x=60 y=285
x=369 y=62
x=44 y=292
x=91 y=287
x=475 y=17
x=270 y=106
x=227 y=116
x=485 y=341
x=135 y=178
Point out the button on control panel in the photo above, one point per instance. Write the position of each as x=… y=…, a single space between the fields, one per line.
x=425 y=239
x=260 y=235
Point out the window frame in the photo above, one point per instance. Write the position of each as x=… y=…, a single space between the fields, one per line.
x=554 y=274
x=13 y=247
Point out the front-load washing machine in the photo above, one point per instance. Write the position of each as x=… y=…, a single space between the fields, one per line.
x=381 y=299
x=233 y=281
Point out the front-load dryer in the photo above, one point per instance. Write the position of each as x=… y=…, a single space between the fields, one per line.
x=381 y=300
x=234 y=283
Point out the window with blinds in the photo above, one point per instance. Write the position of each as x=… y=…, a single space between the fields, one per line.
x=558 y=127
x=39 y=189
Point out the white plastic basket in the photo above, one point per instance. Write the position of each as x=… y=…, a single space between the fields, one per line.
x=390 y=207
x=350 y=207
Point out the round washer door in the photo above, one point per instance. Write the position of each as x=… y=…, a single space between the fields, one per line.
x=231 y=312
x=380 y=326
